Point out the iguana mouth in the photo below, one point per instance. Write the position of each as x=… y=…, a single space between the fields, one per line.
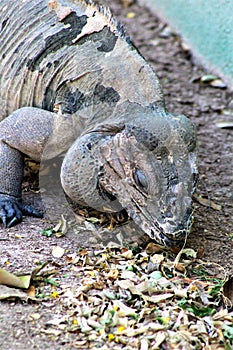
x=177 y=238
x=170 y=236
x=171 y=242
x=174 y=240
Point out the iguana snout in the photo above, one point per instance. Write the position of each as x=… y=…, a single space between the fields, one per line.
x=176 y=216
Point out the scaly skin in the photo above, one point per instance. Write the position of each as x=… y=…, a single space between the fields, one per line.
x=68 y=75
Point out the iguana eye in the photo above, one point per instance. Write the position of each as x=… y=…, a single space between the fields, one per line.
x=141 y=180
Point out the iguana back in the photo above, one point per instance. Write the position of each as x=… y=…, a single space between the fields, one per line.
x=49 y=48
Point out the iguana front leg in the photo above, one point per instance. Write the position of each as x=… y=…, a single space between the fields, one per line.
x=27 y=131
x=11 y=174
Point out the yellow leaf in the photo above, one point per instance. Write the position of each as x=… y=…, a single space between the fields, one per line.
x=130 y=15
x=92 y=273
x=111 y=337
x=55 y=294
x=120 y=329
x=193 y=288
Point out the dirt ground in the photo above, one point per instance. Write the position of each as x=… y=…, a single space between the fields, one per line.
x=212 y=234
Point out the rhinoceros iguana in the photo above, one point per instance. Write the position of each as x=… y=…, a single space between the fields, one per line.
x=70 y=80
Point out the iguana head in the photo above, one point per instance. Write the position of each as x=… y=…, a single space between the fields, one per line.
x=147 y=166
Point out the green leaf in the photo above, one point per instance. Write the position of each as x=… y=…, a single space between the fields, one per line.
x=41 y=295
x=109 y=295
x=26 y=279
x=216 y=289
x=228 y=333
x=195 y=309
x=130 y=268
x=93 y=220
x=47 y=232
x=51 y=281
x=155 y=275
x=208 y=78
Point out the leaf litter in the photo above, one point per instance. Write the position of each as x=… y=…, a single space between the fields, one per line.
x=119 y=297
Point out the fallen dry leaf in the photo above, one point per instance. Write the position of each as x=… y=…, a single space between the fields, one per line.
x=58 y=252
x=207 y=202
x=13 y=293
x=12 y=280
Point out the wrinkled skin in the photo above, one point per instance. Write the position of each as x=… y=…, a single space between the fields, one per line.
x=150 y=171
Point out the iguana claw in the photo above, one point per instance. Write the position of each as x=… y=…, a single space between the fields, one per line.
x=29 y=210
x=12 y=211
x=3 y=218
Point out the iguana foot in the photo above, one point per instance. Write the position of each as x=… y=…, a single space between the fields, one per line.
x=12 y=211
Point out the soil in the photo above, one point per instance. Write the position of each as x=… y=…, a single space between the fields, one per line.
x=22 y=247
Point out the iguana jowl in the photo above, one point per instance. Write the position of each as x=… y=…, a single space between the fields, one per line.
x=71 y=80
